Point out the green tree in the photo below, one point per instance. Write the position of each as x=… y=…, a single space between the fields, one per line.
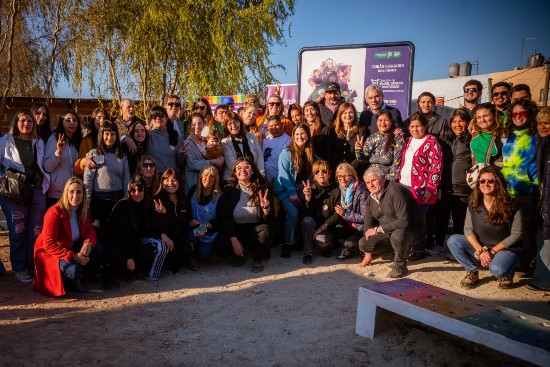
x=151 y=48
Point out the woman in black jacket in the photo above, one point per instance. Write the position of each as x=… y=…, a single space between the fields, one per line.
x=172 y=218
x=246 y=207
x=130 y=244
x=319 y=209
x=457 y=158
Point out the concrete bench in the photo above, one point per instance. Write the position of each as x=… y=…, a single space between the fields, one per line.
x=506 y=330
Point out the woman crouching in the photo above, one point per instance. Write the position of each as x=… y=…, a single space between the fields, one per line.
x=67 y=243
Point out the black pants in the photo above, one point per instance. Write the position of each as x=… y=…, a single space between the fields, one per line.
x=347 y=236
x=449 y=205
x=182 y=252
x=100 y=210
x=398 y=241
x=253 y=237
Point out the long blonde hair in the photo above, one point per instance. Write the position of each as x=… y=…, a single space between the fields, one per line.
x=297 y=155
x=82 y=210
x=215 y=188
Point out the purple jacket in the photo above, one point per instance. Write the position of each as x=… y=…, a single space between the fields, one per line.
x=356 y=216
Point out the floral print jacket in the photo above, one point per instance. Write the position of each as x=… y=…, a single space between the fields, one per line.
x=373 y=150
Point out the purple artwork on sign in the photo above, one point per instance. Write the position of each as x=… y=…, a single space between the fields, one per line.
x=388 y=67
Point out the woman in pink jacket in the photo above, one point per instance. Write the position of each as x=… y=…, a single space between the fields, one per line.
x=421 y=168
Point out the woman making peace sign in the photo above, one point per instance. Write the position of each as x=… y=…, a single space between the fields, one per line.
x=246 y=207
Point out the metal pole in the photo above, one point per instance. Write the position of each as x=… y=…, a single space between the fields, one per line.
x=547 y=81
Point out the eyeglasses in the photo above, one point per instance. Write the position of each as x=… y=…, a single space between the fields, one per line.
x=499 y=94
x=343 y=176
x=516 y=115
x=243 y=168
x=470 y=90
x=135 y=190
x=271 y=104
x=200 y=107
x=157 y=115
x=483 y=181
x=148 y=165
x=323 y=171
x=172 y=104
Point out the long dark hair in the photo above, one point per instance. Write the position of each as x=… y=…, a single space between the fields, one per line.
x=161 y=192
x=132 y=130
x=391 y=132
x=501 y=210
x=93 y=130
x=448 y=136
x=172 y=133
x=77 y=136
x=45 y=130
x=101 y=148
x=139 y=183
x=532 y=110
x=257 y=181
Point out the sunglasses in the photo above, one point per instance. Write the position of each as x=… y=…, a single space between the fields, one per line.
x=483 y=181
x=172 y=104
x=136 y=190
x=200 y=107
x=516 y=115
x=271 y=104
x=498 y=94
x=470 y=90
x=323 y=171
x=157 y=115
x=148 y=165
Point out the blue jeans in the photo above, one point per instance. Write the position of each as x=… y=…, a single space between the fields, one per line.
x=202 y=246
x=24 y=225
x=291 y=221
x=503 y=263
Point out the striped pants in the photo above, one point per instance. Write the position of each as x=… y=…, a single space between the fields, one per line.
x=160 y=251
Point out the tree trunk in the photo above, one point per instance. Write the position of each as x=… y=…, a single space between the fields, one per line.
x=53 y=54
x=11 y=31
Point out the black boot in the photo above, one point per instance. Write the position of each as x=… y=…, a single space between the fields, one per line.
x=286 y=251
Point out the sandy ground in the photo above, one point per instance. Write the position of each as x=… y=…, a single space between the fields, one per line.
x=289 y=315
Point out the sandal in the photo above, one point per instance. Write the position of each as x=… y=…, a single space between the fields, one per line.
x=344 y=254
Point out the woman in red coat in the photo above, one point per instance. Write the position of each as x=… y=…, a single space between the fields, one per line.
x=66 y=244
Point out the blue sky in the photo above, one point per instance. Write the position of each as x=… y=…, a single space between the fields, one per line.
x=443 y=32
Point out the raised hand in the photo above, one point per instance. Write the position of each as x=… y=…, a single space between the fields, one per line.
x=339 y=210
x=264 y=201
x=159 y=207
x=61 y=144
x=359 y=142
x=307 y=190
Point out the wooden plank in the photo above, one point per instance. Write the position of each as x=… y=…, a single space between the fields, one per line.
x=508 y=331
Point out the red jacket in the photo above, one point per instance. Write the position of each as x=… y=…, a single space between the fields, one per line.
x=52 y=245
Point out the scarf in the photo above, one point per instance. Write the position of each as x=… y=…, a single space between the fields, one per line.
x=346 y=195
x=246 y=148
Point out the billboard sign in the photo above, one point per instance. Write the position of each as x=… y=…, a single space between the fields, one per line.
x=354 y=67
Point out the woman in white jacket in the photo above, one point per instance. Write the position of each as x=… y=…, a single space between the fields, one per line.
x=238 y=144
x=22 y=151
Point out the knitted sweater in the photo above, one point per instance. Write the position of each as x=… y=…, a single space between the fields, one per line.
x=165 y=155
x=519 y=163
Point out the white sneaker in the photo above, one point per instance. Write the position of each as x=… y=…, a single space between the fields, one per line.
x=23 y=277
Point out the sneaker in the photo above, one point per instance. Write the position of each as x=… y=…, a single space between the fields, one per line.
x=238 y=261
x=537 y=287
x=505 y=281
x=471 y=280
x=23 y=277
x=417 y=255
x=398 y=271
x=307 y=259
x=344 y=254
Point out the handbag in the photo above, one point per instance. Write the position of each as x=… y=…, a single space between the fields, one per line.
x=17 y=187
x=472 y=173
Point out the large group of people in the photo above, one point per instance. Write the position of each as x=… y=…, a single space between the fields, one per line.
x=137 y=198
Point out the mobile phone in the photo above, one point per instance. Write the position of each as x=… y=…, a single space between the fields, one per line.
x=98 y=159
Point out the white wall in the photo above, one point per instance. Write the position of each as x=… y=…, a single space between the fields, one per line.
x=450 y=89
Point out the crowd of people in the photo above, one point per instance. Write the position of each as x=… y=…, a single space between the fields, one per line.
x=135 y=198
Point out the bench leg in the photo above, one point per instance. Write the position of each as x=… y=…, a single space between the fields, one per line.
x=372 y=320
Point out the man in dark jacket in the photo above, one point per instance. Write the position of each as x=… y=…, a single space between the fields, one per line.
x=330 y=103
x=374 y=99
x=127 y=118
x=426 y=106
x=392 y=221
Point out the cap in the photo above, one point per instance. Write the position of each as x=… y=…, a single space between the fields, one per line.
x=332 y=87
x=228 y=100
